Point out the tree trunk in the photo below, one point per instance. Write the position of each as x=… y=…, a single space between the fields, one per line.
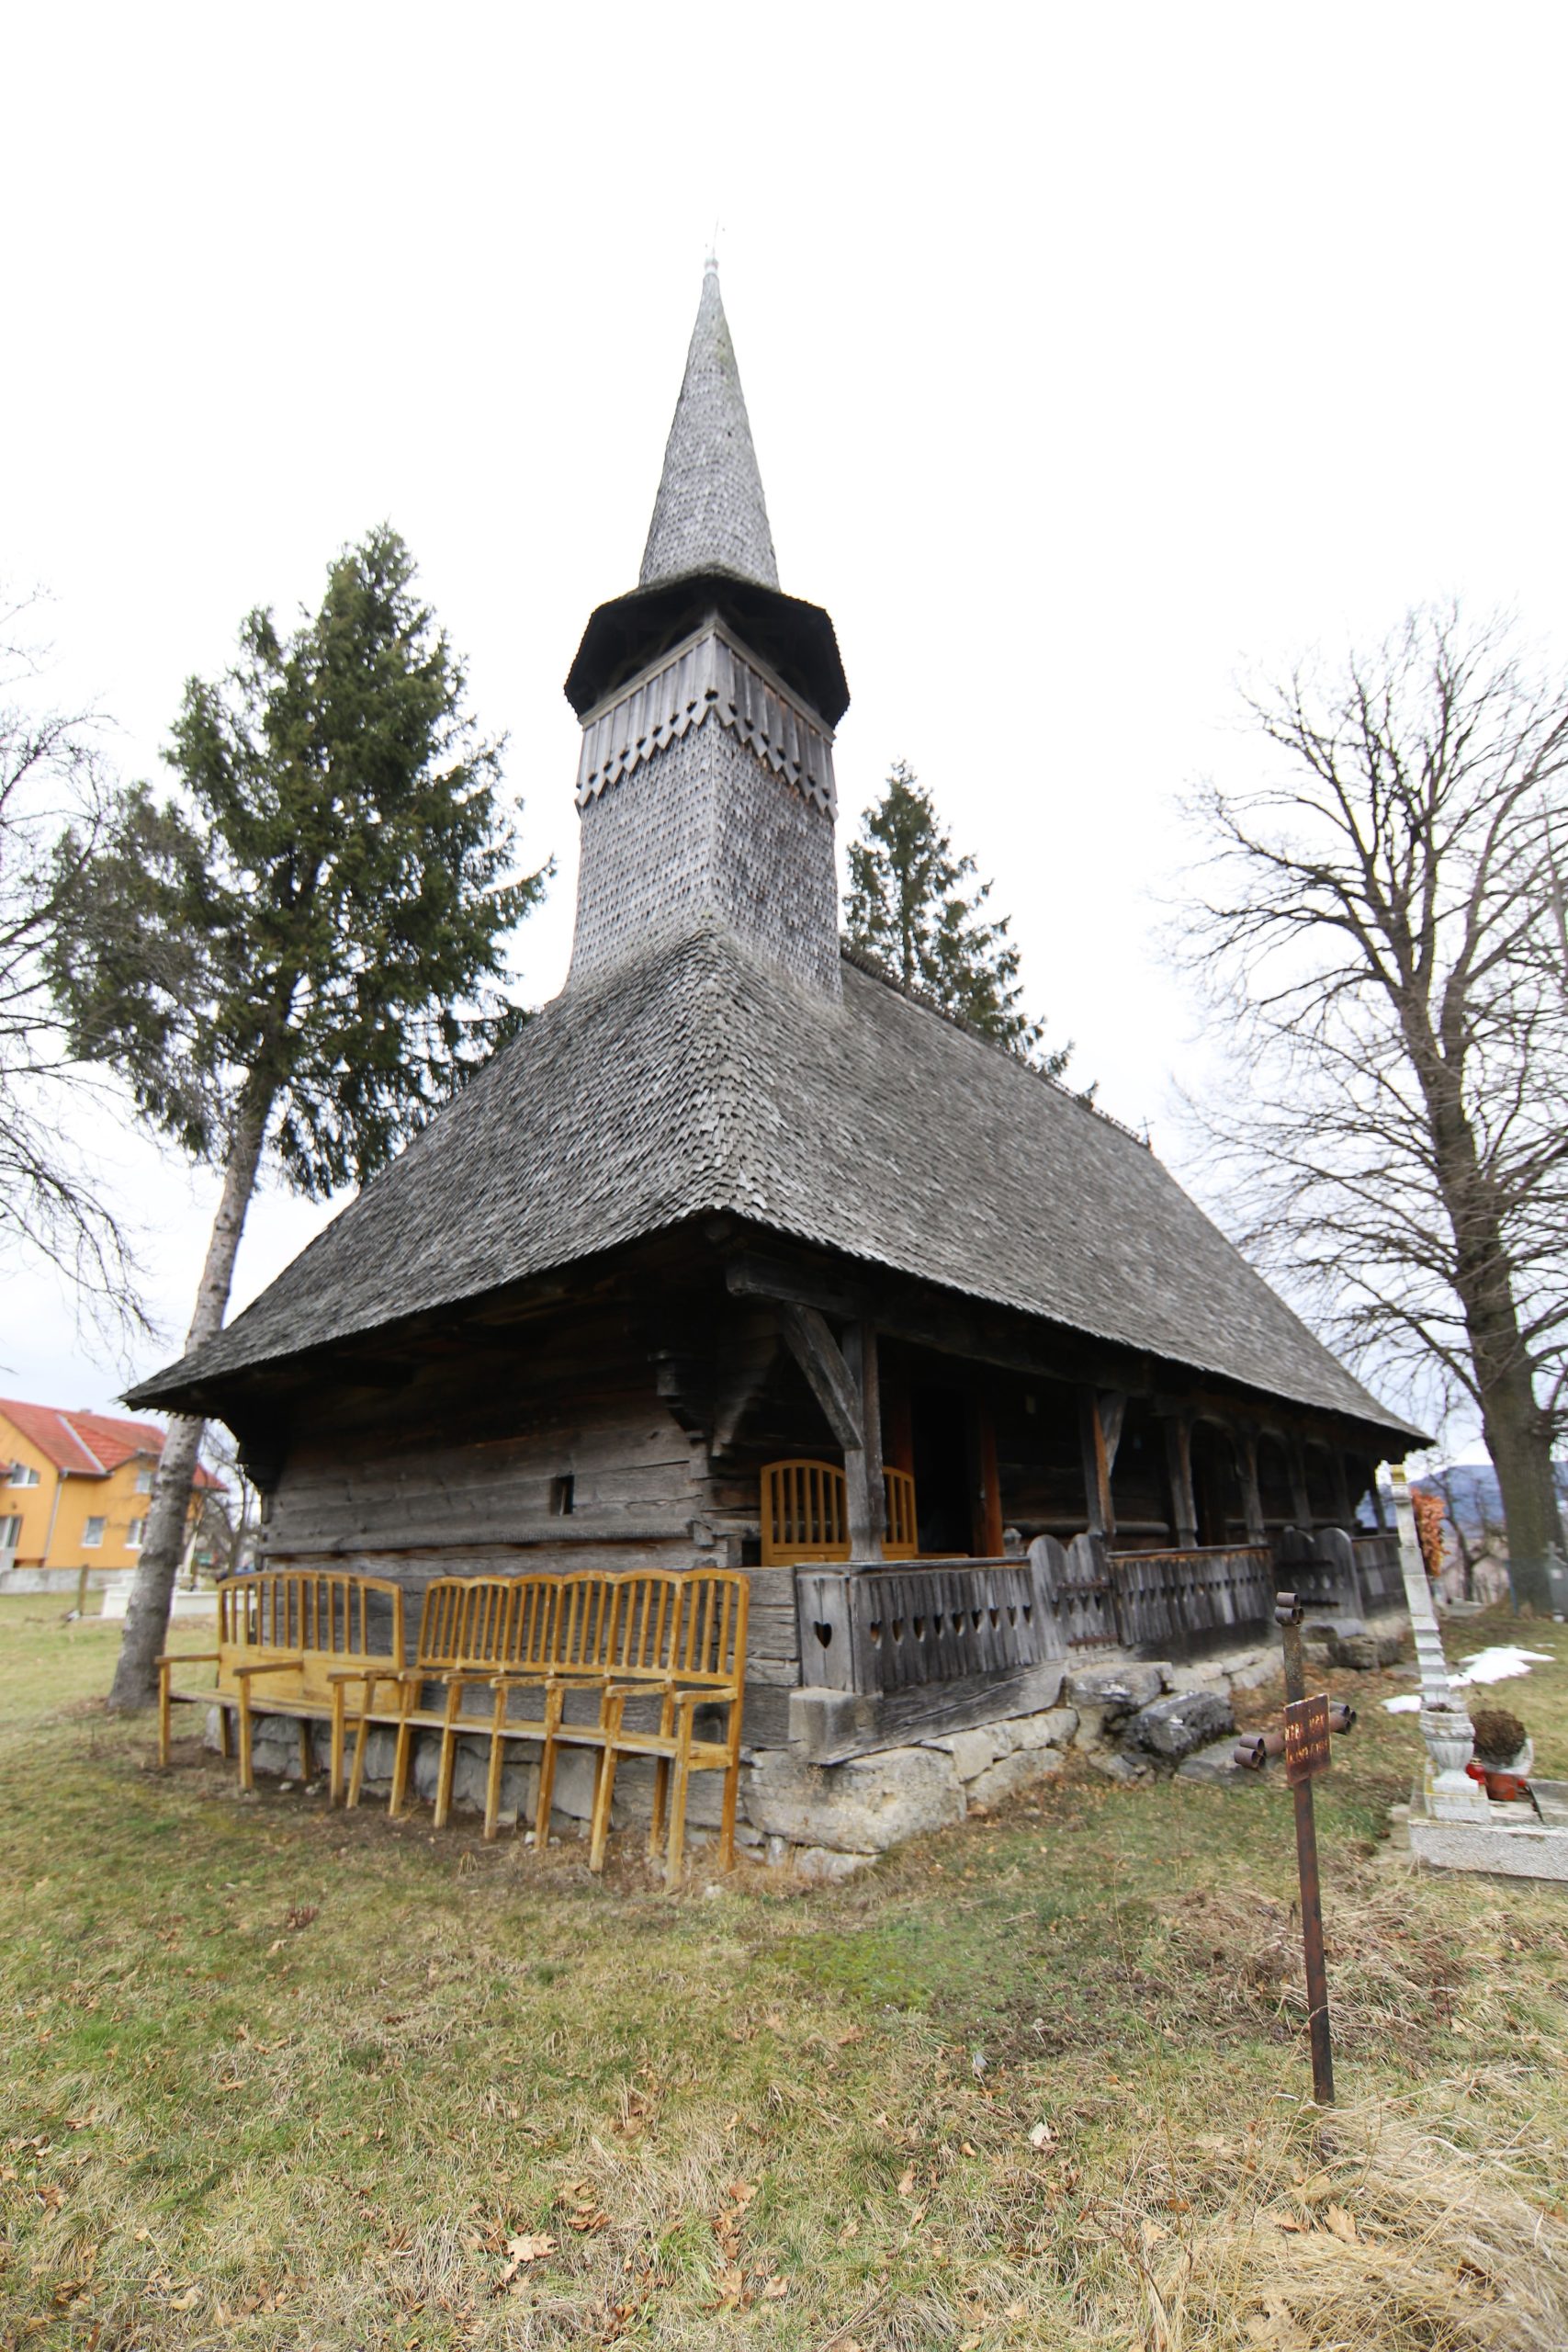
x=1518 y=1436
x=135 y=1681
x=1519 y=1442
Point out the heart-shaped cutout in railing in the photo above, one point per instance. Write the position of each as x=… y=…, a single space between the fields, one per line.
x=823 y=1632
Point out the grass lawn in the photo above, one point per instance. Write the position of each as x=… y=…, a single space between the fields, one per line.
x=273 y=2076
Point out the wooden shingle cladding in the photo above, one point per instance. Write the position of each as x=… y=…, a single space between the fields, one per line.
x=699 y=1079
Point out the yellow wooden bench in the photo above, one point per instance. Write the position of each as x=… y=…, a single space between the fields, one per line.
x=470 y=1628
x=805 y=1517
x=676 y=1637
x=295 y=1631
x=680 y=1638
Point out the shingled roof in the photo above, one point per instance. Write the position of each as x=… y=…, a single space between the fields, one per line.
x=710 y=515
x=699 y=1079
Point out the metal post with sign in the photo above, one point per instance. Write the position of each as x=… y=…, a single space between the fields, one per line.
x=1307 y=1755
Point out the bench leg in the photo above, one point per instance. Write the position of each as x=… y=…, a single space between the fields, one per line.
x=334 y=1764
x=555 y=1701
x=497 y=1760
x=307 y=1754
x=731 y=1792
x=362 y=1733
x=604 y=1789
x=676 y=1854
x=399 y=1760
x=448 y=1755
x=247 y=1772
x=225 y=1733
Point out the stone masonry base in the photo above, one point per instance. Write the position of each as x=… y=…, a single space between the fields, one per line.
x=827 y=1820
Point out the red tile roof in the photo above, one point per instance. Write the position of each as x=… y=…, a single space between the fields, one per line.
x=88 y=1445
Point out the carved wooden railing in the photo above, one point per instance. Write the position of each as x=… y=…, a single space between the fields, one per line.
x=884 y=1629
x=1131 y=1599
x=1329 y=1570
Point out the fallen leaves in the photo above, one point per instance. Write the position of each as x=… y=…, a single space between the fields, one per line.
x=522 y=2253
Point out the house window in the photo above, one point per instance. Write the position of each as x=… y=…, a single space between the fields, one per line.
x=92 y=1535
x=23 y=1474
x=10 y=1532
x=138 y=1531
x=144 y=1480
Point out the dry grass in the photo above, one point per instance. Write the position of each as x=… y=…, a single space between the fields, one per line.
x=275 y=2078
x=1363 y=2230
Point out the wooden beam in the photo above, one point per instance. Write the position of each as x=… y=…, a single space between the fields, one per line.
x=988 y=1515
x=1179 y=1460
x=820 y=1358
x=1251 y=1496
x=1112 y=1408
x=1301 y=1502
x=1096 y=1468
x=865 y=1496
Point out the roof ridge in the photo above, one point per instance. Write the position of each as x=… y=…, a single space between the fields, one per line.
x=67 y=1420
x=874 y=970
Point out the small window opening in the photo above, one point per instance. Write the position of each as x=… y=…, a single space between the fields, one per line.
x=561 y=1492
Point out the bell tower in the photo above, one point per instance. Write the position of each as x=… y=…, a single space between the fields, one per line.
x=708 y=700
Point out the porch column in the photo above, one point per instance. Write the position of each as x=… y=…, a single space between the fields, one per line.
x=986 y=1513
x=864 y=1493
x=1178 y=1461
x=1301 y=1502
x=1095 y=1466
x=1251 y=1494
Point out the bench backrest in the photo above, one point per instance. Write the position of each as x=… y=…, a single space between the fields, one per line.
x=472 y=1623
x=804 y=1515
x=711 y=1649
x=325 y=1618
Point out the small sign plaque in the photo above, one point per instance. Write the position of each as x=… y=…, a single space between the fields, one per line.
x=1306 y=1739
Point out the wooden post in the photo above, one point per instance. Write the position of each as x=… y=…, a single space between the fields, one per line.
x=1251 y=1494
x=1288 y=1613
x=1178 y=1459
x=1300 y=1502
x=1096 y=1468
x=1344 y=1507
x=864 y=1495
x=987 y=1514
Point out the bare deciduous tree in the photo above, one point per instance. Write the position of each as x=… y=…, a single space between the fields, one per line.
x=51 y=789
x=1375 y=921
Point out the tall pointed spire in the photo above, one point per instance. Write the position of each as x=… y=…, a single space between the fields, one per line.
x=710 y=515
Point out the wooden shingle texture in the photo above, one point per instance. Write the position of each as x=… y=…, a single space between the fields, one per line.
x=699 y=1077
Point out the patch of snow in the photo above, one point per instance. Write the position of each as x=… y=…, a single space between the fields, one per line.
x=1496 y=1665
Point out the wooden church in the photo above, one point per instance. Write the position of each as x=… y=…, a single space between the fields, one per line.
x=742 y=1254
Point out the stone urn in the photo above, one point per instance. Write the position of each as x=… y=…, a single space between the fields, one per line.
x=1451 y=1794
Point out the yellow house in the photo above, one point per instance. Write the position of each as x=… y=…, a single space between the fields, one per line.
x=75 y=1492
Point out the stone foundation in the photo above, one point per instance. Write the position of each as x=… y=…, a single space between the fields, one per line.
x=827 y=1820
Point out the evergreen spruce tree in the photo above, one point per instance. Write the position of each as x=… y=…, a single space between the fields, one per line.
x=303 y=952
x=908 y=909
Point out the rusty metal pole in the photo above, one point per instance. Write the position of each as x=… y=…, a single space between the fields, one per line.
x=1289 y=1615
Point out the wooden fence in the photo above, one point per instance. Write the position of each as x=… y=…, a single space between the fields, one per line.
x=1131 y=1599
x=885 y=1629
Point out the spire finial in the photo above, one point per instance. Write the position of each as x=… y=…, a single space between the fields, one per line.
x=710 y=515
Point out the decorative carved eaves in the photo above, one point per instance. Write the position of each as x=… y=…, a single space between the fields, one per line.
x=708 y=678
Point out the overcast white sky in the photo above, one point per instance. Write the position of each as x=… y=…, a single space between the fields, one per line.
x=1092 y=355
